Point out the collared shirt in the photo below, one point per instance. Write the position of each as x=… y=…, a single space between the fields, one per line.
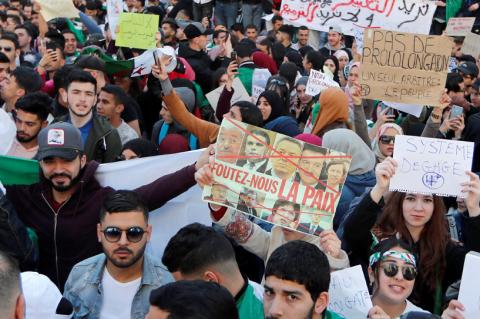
x=18 y=150
x=254 y=166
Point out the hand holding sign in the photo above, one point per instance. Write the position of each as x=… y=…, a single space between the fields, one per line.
x=383 y=172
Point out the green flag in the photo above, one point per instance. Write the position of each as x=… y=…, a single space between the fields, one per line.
x=18 y=171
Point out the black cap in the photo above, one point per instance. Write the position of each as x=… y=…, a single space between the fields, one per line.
x=468 y=68
x=196 y=29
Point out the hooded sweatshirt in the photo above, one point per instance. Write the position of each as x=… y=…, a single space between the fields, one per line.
x=68 y=235
x=361 y=172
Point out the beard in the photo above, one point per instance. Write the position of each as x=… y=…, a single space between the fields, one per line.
x=65 y=187
x=134 y=257
x=26 y=139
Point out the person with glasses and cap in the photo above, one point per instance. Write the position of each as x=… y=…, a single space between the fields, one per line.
x=469 y=71
x=62 y=208
x=117 y=283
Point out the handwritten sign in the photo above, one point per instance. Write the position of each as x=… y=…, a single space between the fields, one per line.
x=348 y=293
x=459 y=27
x=317 y=82
x=114 y=9
x=239 y=94
x=469 y=294
x=430 y=165
x=52 y=9
x=400 y=15
x=137 y=30
x=404 y=67
x=276 y=178
x=471 y=45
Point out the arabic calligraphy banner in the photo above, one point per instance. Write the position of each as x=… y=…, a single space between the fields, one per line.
x=399 y=15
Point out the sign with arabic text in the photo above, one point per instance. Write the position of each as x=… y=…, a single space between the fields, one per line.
x=401 y=15
x=137 y=30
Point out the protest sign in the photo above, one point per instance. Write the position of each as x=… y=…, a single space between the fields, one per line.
x=348 y=293
x=277 y=178
x=415 y=110
x=430 y=165
x=404 y=16
x=239 y=94
x=404 y=67
x=52 y=9
x=259 y=82
x=180 y=211
x=317 y=82
x=459 y=27
x=469 y=294
x=471 y=45
x=137 y=30
x=114 y=8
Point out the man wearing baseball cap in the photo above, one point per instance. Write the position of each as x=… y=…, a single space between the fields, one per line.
x=63 y=207
x=469 y=71
x=335 y=41
x=196 y=56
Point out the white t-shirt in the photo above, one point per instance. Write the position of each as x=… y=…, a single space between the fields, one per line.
x=117 y=297
x=411 y=307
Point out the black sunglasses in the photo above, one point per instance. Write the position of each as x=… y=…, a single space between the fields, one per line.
x=6 y=49
x=385 y=139
x=113 y=234
x=390 y=270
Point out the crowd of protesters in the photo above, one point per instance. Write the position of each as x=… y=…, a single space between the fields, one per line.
x=72 y=248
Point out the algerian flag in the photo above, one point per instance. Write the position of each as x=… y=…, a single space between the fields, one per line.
x=145 y=61
x=18 y=171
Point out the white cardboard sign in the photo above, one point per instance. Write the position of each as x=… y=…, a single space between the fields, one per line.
x=430 y=165
x=317 y=82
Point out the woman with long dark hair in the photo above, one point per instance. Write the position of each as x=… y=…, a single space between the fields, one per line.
x=420 y=220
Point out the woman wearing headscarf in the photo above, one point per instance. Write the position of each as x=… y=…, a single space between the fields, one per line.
x=333 y=112
x=384 y=140
x=343 y=60
x=361 y=173
x=331 y=62
x=274 y=116
x=303 y=103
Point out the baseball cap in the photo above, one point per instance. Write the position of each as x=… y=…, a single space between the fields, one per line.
x=43 y=299
x=336 y=28
x=468 y=68
x=195 y=29
x=59 y=140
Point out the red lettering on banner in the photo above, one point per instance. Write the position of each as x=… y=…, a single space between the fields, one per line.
x=309 y=193
x=264 y=184
x=372 y=5
x=309 y=14
x=292 y=195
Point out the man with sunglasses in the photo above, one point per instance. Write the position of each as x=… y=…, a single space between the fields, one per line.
x=63 y=206
x=117 y=283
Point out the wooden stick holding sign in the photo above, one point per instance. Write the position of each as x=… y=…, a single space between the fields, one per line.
x=430 y=165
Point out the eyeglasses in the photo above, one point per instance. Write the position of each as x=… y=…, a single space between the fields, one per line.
x=6 y=49
x=391 y=270
x=114 y=234
x=385 y=139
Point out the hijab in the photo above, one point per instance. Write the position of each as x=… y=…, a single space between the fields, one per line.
x=333 y=108
x=380 y=132
x=275 y=103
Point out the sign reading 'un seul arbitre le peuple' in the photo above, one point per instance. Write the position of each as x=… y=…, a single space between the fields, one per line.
x=276 y=178
x=402 y=15
x=404 y=67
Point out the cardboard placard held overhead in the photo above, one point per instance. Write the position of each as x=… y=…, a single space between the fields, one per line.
x=137 y=30
x=459 y=27
x=404 y=67
x=430 y=165
x=52 y=9
x=276 y=178
x=471 y=45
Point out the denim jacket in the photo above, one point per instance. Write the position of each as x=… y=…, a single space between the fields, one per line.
x=84 y=286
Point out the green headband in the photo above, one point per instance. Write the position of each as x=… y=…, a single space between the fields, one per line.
x=406 y=257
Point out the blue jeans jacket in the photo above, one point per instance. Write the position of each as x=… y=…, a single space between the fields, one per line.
x=84 y=286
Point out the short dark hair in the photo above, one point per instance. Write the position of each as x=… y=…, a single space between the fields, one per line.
x=170 y=22
x=77 y=75
x=216 y=33
x=90 y=62
x=453 y=82
x=56 y=36
x=4 y=58
x=251 y=26
x=302 y=263
x=14 y=17
x=250 y=113
x=243 y=49
x=27 y=79
x=195 y=247
x=10 y=36
x=60 y=79
x=262 y=134
x=282 y=202
x=38 y=103
x=10 y=279
x=24 y=27
x=195 y=299
x=303 y=28
x=123 y=201
x=476 y=85
x=277 y=18
x=238 y=27
x=118 y=93
x=316 y=59
x=314 y=148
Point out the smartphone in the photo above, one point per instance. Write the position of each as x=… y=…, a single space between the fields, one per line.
x=155 y=57
x=390 y=110
x=233 y=56
x=456 y=111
